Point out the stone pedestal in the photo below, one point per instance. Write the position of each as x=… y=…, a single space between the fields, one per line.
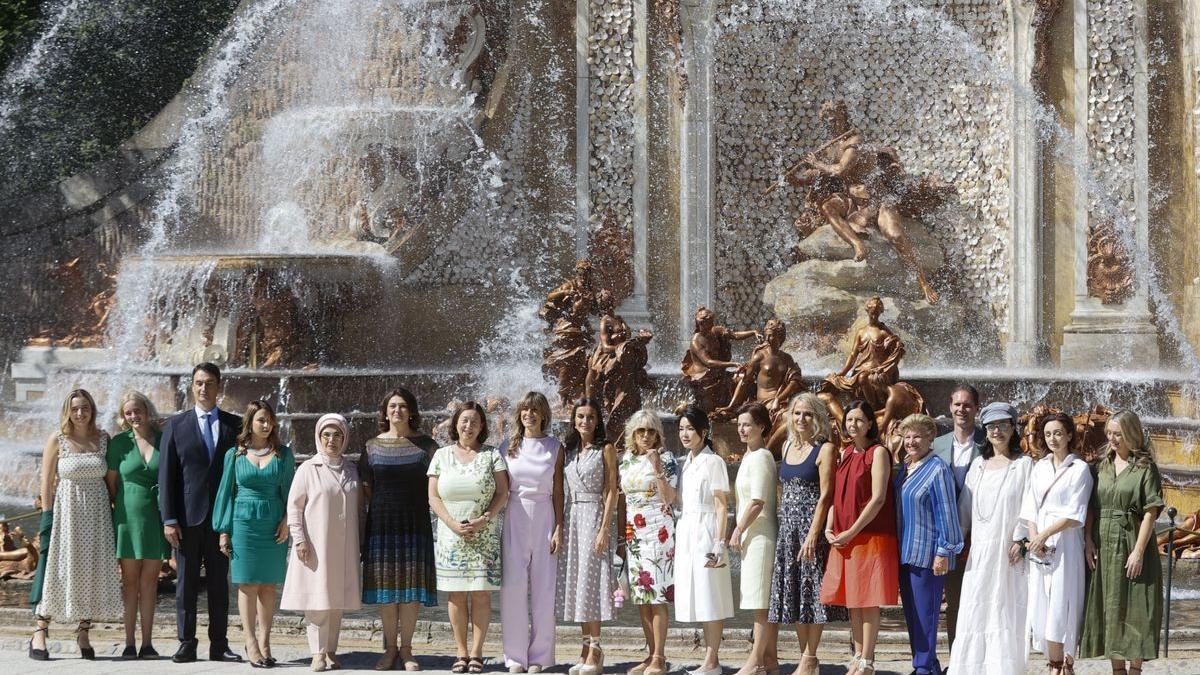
x=1109 y=339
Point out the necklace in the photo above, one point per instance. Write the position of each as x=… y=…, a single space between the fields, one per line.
x=999 y=494
x=260 y=452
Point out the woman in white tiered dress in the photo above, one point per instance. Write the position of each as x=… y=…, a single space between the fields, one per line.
x=992 y=614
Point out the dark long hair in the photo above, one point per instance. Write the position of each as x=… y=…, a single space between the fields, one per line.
x=868 y=410
x=572 y=440
x=247 y=433
x=414 y=411
x=699 y=421
x=1014 y=443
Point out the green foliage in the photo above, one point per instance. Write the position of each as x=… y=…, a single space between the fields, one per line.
x=18 y=18
x=112 y=66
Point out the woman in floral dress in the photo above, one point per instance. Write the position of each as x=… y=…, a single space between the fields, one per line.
x=468 y=487
x=649 y=477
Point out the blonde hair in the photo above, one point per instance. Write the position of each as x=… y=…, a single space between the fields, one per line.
x=142 y=400
x=642 y=419
x=65 y=425
x=536 y=402
x=820 y=414
x=918 y=422
x=1141 y=454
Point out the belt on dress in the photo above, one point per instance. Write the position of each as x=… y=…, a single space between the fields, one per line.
x=1119 y=514
x=586 y=498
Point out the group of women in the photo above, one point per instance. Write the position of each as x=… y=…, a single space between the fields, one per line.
x=823 y=533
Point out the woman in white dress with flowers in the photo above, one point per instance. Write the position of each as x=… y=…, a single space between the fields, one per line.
x=992 y=614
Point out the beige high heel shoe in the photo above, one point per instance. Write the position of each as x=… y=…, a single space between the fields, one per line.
x=852 y=666
x=597 y=668
x=652 y=669
x=319 y=664
x=574 y=670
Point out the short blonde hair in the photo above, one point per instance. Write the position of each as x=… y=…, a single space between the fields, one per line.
x=142 y=400
x=65 y=425
x=918 y=422
x=642 y=419
x=820 y=414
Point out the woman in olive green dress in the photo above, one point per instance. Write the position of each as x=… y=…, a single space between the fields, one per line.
x=1125 y=600
x=132 y=480
x=251 y=514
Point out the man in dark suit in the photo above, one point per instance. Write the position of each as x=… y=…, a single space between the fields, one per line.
x=191 y=460
x=958 y=449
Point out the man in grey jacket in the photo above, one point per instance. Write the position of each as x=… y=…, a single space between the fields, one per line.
x=958 y=449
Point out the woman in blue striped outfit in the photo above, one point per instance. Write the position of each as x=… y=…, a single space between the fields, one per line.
x=930 y=537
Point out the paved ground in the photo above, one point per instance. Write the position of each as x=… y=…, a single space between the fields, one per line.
x=361 y=654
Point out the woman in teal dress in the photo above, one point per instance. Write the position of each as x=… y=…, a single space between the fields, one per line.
x=251 y=515
x=132 y=480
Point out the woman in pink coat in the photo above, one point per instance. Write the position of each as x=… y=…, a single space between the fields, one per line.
x=322 y=515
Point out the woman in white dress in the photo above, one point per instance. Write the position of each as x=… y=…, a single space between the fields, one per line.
x=991 y=625
x=1054 y=509
x=755 y=533
x=703 y=590
x=79 y=580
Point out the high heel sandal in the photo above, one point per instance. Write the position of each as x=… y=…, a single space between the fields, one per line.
x=587 y=642
x=809 y=665
x=40 y=654
x=852 y=665
x=866 y=667
x=1055 y=665
x=651 y=669
x=88 y=652
x=410 y=664
x=597 y=668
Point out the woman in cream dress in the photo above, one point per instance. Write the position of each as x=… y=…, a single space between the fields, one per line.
x=755 y=534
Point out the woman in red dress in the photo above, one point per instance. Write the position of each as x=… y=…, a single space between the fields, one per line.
x=864 y=561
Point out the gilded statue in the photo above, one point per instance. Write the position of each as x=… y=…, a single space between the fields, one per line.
x=770 y=377
x=567 y=309
x=872 y=373
x=707 y=361
x=617 y=369
x=1109 y=265
x=855 y=186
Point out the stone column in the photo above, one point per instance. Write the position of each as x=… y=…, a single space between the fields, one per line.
x=1025 y=290
x=696 y=173
x=612 y=173
x=1111 y=325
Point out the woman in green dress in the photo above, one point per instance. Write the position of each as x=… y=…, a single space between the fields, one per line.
x=251 y=514
x=1125 y=600
x=132 y=480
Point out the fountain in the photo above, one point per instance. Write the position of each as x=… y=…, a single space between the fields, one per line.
x=362 y=193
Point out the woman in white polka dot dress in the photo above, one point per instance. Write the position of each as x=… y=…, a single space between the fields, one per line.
x=586 y=569
x=80 y=581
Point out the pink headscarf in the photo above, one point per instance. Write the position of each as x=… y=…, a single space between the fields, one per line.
x=331 y=419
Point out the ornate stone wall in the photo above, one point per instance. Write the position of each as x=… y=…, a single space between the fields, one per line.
x=1111 y=121
x=610 y=114
x=929 y=78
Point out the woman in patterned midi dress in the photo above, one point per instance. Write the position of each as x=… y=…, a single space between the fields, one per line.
x=806 y=474
x=399 y=573
x=586 y=575
x=649 y=477
x=78 y=582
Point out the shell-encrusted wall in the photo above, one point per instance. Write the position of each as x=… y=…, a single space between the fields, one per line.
x=929 y=79
x=1110 y=110
x=610 y=111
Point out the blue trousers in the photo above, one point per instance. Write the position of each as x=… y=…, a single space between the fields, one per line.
x=921 y=593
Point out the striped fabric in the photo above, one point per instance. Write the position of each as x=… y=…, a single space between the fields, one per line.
x=927 y=513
